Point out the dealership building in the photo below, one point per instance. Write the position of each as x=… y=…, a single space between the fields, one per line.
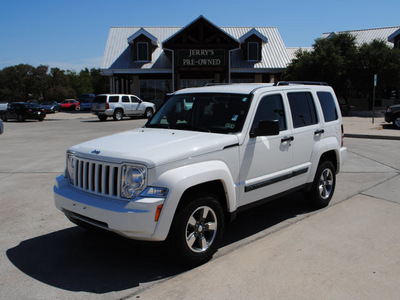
x=153 y=61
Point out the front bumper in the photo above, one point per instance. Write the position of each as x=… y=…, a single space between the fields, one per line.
x=132 y=219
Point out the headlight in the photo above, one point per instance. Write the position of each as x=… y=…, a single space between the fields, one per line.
x=71 y=167
x=133 y=181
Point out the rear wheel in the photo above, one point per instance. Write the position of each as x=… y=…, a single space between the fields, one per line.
x=197 y=230
x=102 y=118
x=118 y=114
x=21 y=118
x=323 y=186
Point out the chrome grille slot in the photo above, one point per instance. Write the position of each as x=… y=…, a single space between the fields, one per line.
x=97 y=178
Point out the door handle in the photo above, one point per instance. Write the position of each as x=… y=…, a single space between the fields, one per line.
x=321 y=131
x=287 y=139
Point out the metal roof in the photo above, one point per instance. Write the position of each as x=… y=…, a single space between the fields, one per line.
x=118 y=55
x=366 y=36
x=293 y=50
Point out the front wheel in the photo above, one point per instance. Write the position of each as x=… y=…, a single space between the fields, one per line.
x=197 y=230
x=396 y=121
x=323 y=186
x=148 y=113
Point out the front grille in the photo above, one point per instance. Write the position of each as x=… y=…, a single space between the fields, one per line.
x=97 y=177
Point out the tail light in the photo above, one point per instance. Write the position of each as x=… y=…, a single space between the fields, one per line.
x=107 y=105
x=342 y=135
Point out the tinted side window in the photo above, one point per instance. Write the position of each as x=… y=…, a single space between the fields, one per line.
x=328 y=106
x=113 y=99
x=134 y=99
x=303 y=109
x=125 y=99
x=271 y=109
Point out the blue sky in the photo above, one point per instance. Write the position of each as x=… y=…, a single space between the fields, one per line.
x=72 y=34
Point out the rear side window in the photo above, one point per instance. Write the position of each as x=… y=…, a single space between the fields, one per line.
x=125 y=99
x=113 y=99
x=303 y=109
x=328 y=106
x=100 y=99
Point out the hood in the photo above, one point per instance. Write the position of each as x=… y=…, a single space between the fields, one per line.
x=153 y=147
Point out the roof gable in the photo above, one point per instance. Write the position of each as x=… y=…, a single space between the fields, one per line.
x=200 y=31
x=393 y=35
x=255 y=32
x=144 y=32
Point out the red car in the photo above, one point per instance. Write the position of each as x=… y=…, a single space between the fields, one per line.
x=70 y=104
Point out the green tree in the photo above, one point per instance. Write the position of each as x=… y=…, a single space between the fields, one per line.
x=330 y=61
x=380 y=59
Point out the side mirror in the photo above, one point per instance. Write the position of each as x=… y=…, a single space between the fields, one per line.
x=265 y=128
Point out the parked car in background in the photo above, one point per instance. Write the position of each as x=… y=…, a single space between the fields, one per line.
x=392 y=115
x=24 y=110
x=85 y=104
x=70 y=104
x=1 y=127
x=50 y=106
x=120 y=105
x=85 y=101
x=3 y=109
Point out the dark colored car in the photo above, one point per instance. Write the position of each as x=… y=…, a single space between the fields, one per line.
x=392 y=115
x=24 y=110
x=51 y=106
x=85 y=101
x=70 y=104
x=1 y=127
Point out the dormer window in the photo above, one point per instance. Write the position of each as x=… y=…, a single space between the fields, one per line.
x=252 y=44
x=142 y=51
x=252 y=51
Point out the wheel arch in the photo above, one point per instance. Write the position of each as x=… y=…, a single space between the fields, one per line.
x=212 y=177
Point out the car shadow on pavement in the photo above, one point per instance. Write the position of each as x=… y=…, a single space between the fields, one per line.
x=78 y=260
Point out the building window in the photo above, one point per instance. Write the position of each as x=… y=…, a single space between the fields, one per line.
x=142 y=52
x=152 y=89
x=252 y=51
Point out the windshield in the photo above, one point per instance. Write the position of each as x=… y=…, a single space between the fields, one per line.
x=217 y=113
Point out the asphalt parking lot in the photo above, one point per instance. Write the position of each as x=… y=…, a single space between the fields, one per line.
x=279 y=250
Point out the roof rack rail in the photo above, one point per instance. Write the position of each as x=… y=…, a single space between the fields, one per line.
x=215 y=83
x=300 y=82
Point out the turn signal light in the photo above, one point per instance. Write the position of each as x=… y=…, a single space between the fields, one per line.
x=158 y=212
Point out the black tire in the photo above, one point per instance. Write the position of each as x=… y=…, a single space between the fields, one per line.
x=4 y=117
x=323 y=186
x=197 y=230
x=118 y=115
x=41 y=119
x=396 y=121
x=21 y=118
x=148 y=113
x=102 y=118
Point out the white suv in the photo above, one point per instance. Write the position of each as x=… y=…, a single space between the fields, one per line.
x=120 y=105
x=207 y=154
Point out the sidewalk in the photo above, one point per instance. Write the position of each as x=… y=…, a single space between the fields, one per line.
x=339 y=253
x=362 y=127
